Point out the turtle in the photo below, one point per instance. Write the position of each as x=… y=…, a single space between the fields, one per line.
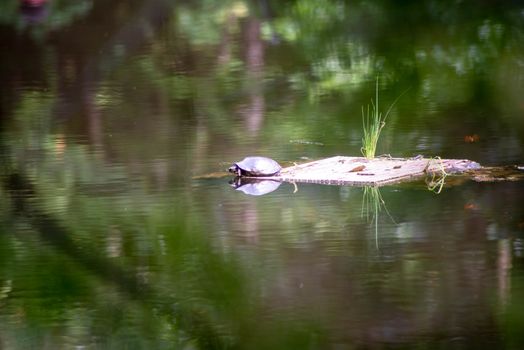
x=255 y=166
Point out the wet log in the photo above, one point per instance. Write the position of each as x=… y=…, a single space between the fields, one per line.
x=360 y=171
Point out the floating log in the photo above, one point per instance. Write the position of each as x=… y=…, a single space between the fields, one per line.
x=360 y=171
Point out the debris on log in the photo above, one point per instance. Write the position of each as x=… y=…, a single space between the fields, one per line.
x=360 y=171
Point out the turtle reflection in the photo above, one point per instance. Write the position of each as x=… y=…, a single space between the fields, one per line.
x=254 y=187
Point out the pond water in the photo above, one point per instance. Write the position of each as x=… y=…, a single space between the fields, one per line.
x=120 y=228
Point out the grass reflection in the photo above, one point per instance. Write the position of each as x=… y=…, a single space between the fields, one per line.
x=437 y=177
x=372 y=205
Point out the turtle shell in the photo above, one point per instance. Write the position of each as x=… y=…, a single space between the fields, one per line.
x=256 y=166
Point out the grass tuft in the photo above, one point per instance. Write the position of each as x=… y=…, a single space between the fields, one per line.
x=373 y=122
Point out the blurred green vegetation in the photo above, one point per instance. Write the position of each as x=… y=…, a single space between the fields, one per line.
x=256 y=62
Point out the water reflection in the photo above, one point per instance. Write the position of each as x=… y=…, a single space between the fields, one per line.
x=34 y=11
x=254 y=187
x=399 y=292
x=110 y=108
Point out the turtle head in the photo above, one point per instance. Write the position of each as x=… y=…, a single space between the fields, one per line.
x=234 y=169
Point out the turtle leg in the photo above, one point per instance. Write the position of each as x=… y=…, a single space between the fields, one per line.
x=239 y=172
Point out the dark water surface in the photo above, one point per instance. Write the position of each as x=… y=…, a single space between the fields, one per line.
x=119 y=228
